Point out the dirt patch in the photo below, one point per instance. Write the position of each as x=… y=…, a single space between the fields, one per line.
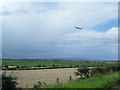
x=27 y=78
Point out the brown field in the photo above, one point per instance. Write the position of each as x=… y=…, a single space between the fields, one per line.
x=27 y=78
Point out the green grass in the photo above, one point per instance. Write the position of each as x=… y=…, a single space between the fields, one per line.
x=0 y=62
x=103 y=81
x=48 y=63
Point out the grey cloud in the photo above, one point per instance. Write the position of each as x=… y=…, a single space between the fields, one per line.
x=14 y=12
x=31 y=34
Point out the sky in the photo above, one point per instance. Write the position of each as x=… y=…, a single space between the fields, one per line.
x=43 y=30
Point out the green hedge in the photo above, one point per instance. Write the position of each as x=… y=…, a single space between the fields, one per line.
x=85 y=72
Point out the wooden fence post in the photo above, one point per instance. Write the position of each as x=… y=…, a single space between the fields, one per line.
x=57 y=80
x=70 y=78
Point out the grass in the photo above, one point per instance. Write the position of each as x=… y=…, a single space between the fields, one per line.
x=103 y=81
x=48 y=63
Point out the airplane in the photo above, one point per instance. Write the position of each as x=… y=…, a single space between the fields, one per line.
x=78 y=28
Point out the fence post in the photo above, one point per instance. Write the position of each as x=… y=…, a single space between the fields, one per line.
x=26 y=85
x=57 y=80
x=70 y=78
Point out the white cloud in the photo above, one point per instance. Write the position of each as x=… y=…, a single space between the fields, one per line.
x=40 y=30
x=93 y=38
x=68 y=13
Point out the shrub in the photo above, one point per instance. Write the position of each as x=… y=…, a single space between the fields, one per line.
x=93 y=71
x=8 y=82
x=83 y=72
x=100 y=70
x=18 y=67
x=54 y=66
x=23 y=66
x=39 y=66
x=40 y=84
x=44 y=66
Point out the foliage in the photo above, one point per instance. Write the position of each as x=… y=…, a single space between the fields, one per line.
x=8 y=82
x=37 y=66
x=44 y=65
x=85 y=72
x=102 y=81
x=23 y=66
x=54 y=66
x=40 y=84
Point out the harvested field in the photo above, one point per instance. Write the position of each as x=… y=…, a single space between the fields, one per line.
x=27 y=78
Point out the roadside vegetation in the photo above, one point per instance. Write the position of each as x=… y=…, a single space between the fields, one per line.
x=85 y=72
x=8 y=82
x=102 y=81
x=95 y=77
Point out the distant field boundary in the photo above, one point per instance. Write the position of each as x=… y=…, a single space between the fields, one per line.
x=48 y=64
x=39 y=68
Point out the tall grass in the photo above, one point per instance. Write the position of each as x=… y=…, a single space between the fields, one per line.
x=102 y=81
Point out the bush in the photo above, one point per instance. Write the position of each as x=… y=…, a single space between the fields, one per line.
x=83 y=72
x=44 y=65
x=93 y=71
x=8 y=82
x=18 y=67
x=23 y=66
x=54 y=66
x=38 y=66
x=40 y=84
x=100 y=70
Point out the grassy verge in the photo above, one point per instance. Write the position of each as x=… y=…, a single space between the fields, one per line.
x=102 y=81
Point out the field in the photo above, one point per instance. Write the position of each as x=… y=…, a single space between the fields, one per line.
x=49 y=63
x=103 y=81
x=27 y=78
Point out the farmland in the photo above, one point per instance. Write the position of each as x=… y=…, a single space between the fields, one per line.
x=102 y=74
x=27 y=78
x=49 y=63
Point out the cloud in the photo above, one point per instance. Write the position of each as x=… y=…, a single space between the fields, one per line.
x=93 y=38
x=44 y=30
x=92 y=44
